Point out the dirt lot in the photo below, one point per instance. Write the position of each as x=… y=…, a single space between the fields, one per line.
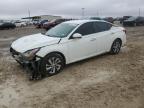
x=107 y=81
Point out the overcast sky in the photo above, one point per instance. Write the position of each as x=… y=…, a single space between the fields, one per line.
x=70 y=8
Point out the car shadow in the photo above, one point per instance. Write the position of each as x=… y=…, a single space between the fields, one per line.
x=75 y=64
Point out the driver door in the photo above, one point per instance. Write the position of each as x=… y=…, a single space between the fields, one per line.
x=81 y=48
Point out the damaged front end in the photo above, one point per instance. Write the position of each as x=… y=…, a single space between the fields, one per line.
x=29 y=60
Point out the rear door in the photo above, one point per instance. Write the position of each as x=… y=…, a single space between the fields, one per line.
x=103 y=36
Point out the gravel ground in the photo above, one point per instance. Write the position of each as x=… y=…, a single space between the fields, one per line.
x=106 y=81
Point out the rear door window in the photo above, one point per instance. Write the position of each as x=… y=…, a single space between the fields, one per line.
x=86 y=29
x=102 y=26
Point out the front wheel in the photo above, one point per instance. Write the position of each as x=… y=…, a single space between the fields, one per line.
x=116 y=46
x=52 y=64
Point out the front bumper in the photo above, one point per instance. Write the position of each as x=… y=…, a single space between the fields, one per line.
x=32 y=65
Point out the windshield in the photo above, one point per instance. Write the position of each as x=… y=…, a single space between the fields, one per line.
x=61 y=30
x=131 y=18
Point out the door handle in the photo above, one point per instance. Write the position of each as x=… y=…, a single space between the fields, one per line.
x=93 y=39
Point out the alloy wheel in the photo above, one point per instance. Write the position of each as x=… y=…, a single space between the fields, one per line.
x=116 y=47
x=53 y=65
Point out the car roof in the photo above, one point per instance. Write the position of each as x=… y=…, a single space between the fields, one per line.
x=83 y=21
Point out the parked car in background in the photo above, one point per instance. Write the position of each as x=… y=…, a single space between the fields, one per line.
x=134 y=21
x=109 y=19
x=20 y=24
x=29 y=23
x=45 y=25
x=35 y=22
x=95 y=18
x=118 y=19
x=40 y=23
x=7 y=25
x=124 y=18
x=53 y=23
x=68 y=42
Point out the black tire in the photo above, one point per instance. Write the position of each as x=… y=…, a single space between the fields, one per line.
x=116 y=46
x=51 y=64
x=135 y=24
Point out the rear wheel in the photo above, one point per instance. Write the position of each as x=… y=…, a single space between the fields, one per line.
x=52 y=64
x=135 y=24
x=116 y=46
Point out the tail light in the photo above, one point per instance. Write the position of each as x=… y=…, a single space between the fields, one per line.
x=124 y=31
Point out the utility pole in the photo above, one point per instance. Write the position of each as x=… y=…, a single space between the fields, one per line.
x=139 y=11
x=97 y=13
x=83 y=12
x=29 y=14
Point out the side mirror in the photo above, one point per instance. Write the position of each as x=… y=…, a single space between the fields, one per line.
x=77 y=35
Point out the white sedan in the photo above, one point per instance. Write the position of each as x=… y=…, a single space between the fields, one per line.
x=20 y=24
x=68 y=42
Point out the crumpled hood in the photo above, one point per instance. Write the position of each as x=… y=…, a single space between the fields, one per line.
x=33 y=41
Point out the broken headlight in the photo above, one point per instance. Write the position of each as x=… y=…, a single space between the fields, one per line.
x=30 y=54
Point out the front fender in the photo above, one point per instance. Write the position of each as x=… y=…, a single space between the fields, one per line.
x=53 y=48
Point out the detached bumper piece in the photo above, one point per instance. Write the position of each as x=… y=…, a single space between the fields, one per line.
x=33 y=66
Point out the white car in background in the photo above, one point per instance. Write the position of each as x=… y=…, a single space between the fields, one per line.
x=20 y=24
x=66 y=43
